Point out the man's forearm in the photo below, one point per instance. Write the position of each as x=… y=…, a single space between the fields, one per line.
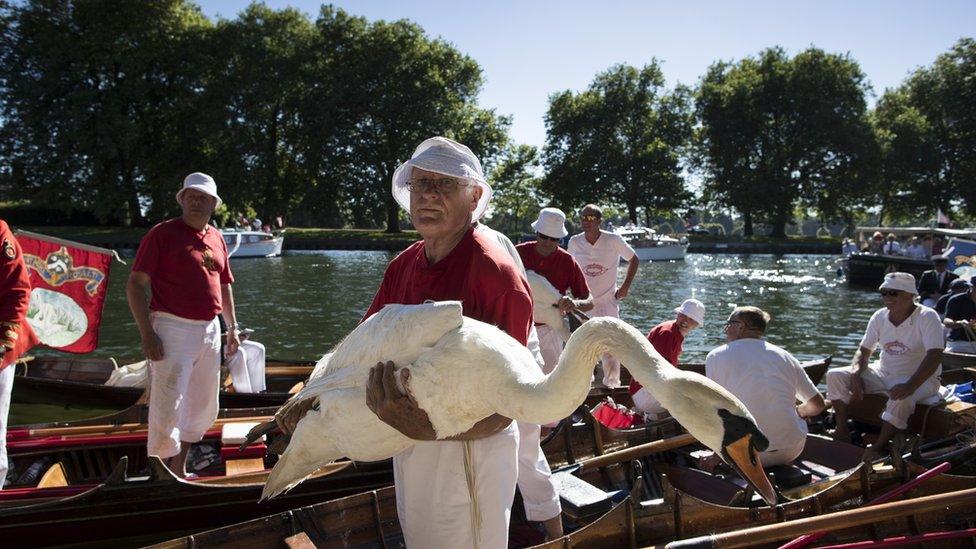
x=227 y=305
x=926 y=369
x=632 y=267
x=860 y=362
x=584 y=305
x=139 y=306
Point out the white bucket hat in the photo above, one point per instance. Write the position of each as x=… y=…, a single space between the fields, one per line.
x=899 y=281
x=551 y=222
x=693 y=309
x=444 y=156
x=200 y=182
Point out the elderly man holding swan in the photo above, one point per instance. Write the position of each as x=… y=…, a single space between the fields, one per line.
x=440 y=399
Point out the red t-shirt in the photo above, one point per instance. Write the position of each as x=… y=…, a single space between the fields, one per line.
x=559 y=268
x=477 y=272
x=667 y=340
x=186 y=269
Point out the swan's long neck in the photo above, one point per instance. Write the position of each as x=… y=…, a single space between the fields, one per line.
x=559 y=393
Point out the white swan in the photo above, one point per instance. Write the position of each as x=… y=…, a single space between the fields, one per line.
x=462 y=371
x=545 y=296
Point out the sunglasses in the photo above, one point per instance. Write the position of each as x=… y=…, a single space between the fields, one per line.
x=889 y=293
x=541 y=236
x=589 y=217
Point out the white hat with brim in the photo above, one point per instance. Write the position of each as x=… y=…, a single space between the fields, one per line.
x=199 y=182
x=693 y=309
x=899 y=281
x=446 y=157
x=551 y=222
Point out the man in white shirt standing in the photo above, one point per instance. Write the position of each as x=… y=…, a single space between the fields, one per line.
x=910 y=336
x=769 y=381
x=599 y=252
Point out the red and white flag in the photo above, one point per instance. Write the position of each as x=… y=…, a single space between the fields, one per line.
x=69 y=282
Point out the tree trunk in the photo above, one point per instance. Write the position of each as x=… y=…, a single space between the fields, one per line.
x=392 y=215
x=632 y=213
x=135 y=209
x=779 y=226
x=747 y=229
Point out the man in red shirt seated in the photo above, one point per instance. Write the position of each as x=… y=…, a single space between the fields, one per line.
x=544 y=256
x=667 y=338
x=183 y=263
x=458 y=492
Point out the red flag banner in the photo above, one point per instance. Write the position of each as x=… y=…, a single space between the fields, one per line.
x=69 y=282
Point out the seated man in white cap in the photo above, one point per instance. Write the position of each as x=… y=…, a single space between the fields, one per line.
x=458 y=492
x=183 y=264
x=668 y=338
x=910 y=336
x=768 y=380
x=544 y=256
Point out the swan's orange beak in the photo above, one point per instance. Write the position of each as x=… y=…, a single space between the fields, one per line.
x=741 y=454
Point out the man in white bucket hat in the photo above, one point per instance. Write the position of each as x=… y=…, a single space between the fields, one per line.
x=768 y=380
x=182 y=263
x=911 y=341
x=444 y=189
x=668 y=339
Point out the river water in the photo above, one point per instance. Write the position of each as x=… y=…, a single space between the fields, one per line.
x=302 y=304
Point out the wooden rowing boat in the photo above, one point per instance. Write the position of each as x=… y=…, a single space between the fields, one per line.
x=81 y=382
x=955 y=361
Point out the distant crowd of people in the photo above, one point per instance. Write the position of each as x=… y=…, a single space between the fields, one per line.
x=916 y=247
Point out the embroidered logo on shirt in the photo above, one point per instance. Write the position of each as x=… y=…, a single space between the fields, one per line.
x=209 y=261
x=896 y=348
x=594 y=269
x=8 y=249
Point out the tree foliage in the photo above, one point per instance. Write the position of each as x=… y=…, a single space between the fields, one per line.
x=776 y=132
x=516 y=199
x=620 y=141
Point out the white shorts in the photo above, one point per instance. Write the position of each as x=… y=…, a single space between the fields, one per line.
x=534 y=476
x=6 y=386
x=247 y=367
x=896 y=412
x=434 y=504
x=551 y=346
x=183 y=387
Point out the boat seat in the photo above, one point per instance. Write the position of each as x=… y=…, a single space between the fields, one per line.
x=701 y=485
x=53 y=477
x=236 y=460
x=789 y=476
x=579 y=498
x=235 y=433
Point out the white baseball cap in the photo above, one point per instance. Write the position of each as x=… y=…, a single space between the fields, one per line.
x=447 y=157
x=551 y=222
x=899 y=281
x=200 y=182
x=693 y=309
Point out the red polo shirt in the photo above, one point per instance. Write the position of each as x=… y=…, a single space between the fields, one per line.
x=186 y=268
x=477 y=272
x=667 y=340
x=559 y=268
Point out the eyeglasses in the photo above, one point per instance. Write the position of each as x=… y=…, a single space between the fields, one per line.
x=444 y=185
x=541 y=236
x=889 y=293
x=589 y=217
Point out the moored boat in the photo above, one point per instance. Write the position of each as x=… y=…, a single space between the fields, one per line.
x=245 y=243
x=652 y=246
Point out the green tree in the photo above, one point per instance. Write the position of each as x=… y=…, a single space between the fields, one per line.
x=619 y=141
x=96 y=96
x=776 y=132
x=516 y=189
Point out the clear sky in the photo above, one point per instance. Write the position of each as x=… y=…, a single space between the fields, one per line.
x=530 y=49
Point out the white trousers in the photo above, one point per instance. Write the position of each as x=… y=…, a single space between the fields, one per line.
x=782 y=456
x=896 y=412
x=611 y=366
x=183 y=385
x=435 y=506
x=6 y=386
x=645 y=402
x=551 y=346
x=534 y=476
x=247 y=367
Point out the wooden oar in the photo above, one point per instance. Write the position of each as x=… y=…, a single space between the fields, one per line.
x=803 y=541
x=636 y=452
x=920 y=539
x=833 y=521
x=86 y=430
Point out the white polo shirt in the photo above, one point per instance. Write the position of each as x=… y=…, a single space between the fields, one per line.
x=599 y=261
x=769 y=381
x=904 y=346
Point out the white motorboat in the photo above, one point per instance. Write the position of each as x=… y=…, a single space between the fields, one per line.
x=246 y=243
x=652 y=246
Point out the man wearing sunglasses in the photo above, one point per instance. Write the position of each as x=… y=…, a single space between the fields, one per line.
x=598 y=253
x=544 y=256
x=910 y=337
